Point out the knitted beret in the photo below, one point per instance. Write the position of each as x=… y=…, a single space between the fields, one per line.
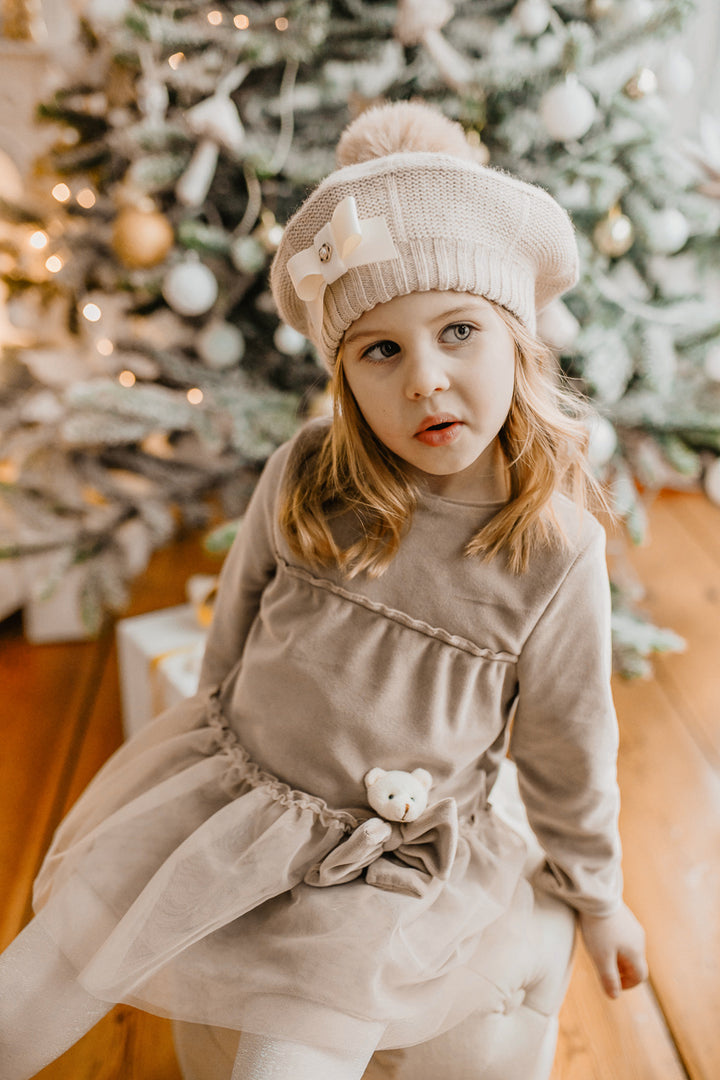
x=416 y=218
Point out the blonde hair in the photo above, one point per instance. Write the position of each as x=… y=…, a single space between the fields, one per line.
x=350 y=471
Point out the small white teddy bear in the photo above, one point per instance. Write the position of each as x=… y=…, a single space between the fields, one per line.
x=397 y=795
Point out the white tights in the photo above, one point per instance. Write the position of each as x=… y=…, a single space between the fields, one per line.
x=262 y=1058
x=43 y=1009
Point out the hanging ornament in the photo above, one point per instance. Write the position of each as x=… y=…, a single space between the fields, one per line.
x=420 y=22
x=107 y=11
x=711 y=481
x=614 y=234
x=248 y=254
x=602 y=441
x=220 y=345
x=532 y=17
x=675 y=75
x=142 y=236
x=557 y=326
x=190 y=288
x=480 y=151
x=712 y=363
x=642 y=84
x=215 y=121
x=567 y=110
x=601 y=9
x=289 y=341
x=268 y=232
x=667 y=231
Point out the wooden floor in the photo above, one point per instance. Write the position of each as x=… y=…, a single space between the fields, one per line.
x=60 y=719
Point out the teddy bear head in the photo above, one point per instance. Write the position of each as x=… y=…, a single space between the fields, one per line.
x=397 y=795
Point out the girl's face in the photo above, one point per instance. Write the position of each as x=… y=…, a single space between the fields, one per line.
x=433 y=375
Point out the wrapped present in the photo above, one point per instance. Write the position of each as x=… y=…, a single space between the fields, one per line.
x=159 y=656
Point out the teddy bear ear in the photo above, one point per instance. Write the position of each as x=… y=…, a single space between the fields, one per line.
x=424 y=777
x=373 y=776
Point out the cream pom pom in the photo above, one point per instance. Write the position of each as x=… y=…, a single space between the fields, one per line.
x=406 y=127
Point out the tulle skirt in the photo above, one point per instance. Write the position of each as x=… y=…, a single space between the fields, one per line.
x=191 y=883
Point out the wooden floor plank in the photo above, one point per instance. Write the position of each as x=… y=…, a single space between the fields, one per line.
x=47 y=692
x=682 y=581
x=601 y=1039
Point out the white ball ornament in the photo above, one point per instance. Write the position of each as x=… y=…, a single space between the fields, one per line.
x=220 y=345
x=248 y=255
x=712 y=363
x=532 y=17
x=190 y=288
x=567 y=110
x=558 y=326
x=711 y=481
x=603 y=441
x=675 y=74
x=289 y=341
x=668 y=231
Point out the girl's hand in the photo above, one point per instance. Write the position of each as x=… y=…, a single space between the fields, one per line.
x=616 y=944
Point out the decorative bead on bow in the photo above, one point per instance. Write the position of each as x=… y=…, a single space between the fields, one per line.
x=343 y=243
x=422 y=850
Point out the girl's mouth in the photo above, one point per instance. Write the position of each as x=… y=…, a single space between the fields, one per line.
x=438 y=430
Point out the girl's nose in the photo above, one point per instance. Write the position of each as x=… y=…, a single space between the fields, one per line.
x=426 y=374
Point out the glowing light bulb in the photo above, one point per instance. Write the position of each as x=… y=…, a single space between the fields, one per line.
x=281 y=23
x=242 y=22
x=39 y=239
x=105 y=346
x=54 y=264
x=214 y=17
x=9 y=472
x=195 y=395
x=61 y=192
x=86 y=198
x=176 y=60
x=92 y=312
x=126 y=378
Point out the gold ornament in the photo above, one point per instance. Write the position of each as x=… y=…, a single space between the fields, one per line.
x=600 y=9
x=614 y=235
x=268 y=232
x=643 y=82
x=141 y=237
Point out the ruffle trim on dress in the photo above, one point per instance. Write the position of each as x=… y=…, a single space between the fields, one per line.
x=243 y=773
x=435 y=632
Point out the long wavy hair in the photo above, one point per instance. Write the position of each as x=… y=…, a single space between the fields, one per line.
x=348 y=470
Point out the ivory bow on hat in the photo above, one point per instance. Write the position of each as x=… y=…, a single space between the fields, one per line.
x=343 y=243
x=424 y=849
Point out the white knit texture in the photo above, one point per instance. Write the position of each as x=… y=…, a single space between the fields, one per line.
x=457 y=226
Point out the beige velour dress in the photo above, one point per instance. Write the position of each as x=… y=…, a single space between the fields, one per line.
x=223 y=867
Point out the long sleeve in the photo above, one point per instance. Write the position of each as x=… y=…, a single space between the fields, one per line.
x=248 y=567
x=565 y=738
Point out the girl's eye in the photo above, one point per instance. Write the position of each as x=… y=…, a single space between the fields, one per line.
x=458 y=332
x=380 y=351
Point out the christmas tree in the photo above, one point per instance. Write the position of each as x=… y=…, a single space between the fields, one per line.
x=153 y=370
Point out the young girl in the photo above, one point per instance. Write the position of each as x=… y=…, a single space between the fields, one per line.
x=409 y=589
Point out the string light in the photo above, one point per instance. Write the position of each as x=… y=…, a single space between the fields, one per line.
x=39 y=239
x=126 y=378
x=54 y=264
x=61 y=192
x=195 y=395
x=214 y=17
x=86 y=198
x=281 y=23
x=9 y=472
x=176 y=60
x=105 y=346
x=241 y=21
x=92 y=313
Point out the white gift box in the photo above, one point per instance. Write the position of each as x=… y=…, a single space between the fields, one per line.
x=159 y=656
